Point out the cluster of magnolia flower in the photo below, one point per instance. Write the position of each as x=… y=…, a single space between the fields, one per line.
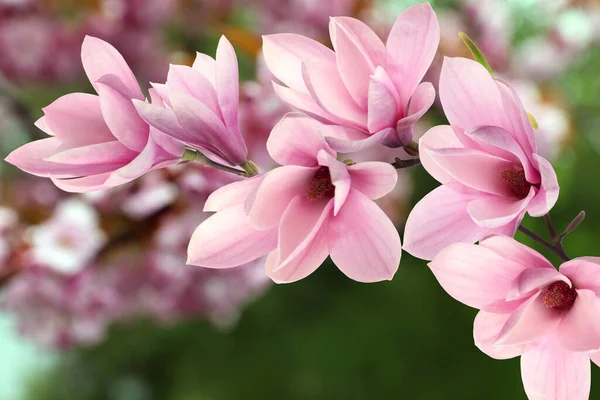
x=363 y=94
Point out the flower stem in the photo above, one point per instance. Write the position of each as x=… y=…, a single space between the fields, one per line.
x=399 y=164
x=555 y=248
x=196 y=156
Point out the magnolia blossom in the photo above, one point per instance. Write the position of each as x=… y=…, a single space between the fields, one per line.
x=198 y=105
x=528 y=308
x=311 y=207
x=97 y=141
x=371 y=88
x=486 y=160
x=68 y=240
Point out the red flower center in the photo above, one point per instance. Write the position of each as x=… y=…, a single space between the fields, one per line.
x=321 y=186
x=515 y=179
x=559 y=296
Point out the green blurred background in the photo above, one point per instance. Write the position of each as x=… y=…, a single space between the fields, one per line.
x=327 y=337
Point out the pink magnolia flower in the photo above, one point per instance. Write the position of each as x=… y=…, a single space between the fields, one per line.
x=371 y=88
x=198 y=105
x=528 y=308
x=97 y=141
x=312 y=207
x=486 y=160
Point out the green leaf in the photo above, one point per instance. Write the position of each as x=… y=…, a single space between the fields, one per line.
x=477 y=54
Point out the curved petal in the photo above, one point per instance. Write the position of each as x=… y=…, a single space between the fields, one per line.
x=579 y=329
x=470 y=96
x=164 y=120
x=184 y=79
x=550 y=371
x=420 y=102
x=474 y=169
x=302 y=240
x=373 y=179
x=548 y=194
x=71 y=115
x=325 y=85
x=140 y=165
x=584 y=272
x=284 y=54
x=363 y=242
x=510 y=249
x=342 y=145
x=496 y=211
x=532 y=280
x=531 y=321
x=383 y=102
x=438 y=137
x=359 y=51
x=439 y=220
x=340 y=178
x=228 y=84
x=476 y=276
x=85 y=184
x=120 y=114
x=230 y=195
x=278 y=187
x=226 y=239
x=411 y=46
x=521 y=127
x=100 y=58
x=101 y=153
x=296 y=140
x=207 y=66
x=486 y=328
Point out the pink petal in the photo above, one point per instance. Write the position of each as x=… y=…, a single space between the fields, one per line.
x=326 y=87
x=187 y=80
x=101 y=153
x=579 y=329
x=550 y=371
x=70 y=115
x=86 y=184
x=207 y=66
x=496 y=211
x=438 y=220
x=296 y=140
x=476 y=276
x=531 y=321
x=510 y=249
x=278 y=187
x=162 y=91
x=548 y=194
x=340 y=178
x=470 y=96
x=521 y=127
x=30 y=158
x=359 y=51
x=226 y=239
x=383 y=103
x=584 y=272
x=100 y=58
x=353 y=146
x=230 y=195
x=306 y=104
x=302 y=240
x=411 y=46
x=531 y=280
x=120 y=114
x=228 y=85
x=137 y=167
x=486 y=328
x=284 y=54
x=373 y=179
x=419 y=104
x=473 y=168
x=166 y=142
x=438 y=137
x=499 y=142
x=363 y=242
x=164 y=120
x=595 y=357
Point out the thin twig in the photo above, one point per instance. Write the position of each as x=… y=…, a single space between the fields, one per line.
x=551 y=229
x=558 y=250
x=399 y=164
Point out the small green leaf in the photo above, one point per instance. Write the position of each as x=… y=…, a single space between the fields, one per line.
x=477 y=54
x=532 y=121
